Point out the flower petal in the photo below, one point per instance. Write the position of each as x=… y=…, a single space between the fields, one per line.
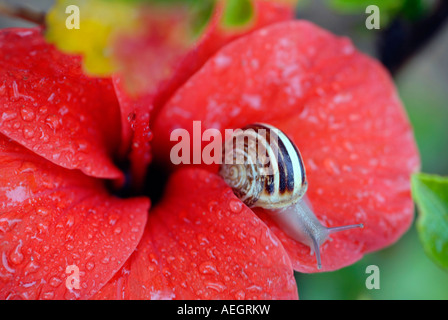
x=213 y=39
x=146 y=72
x=136 y=132
x=51 y=219
x=202 y=242
x=341 y=109
x=51 y=108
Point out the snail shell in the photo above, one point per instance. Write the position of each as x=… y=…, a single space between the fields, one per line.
x=265 y=169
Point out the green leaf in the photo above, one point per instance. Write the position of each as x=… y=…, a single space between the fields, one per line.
x=203 y=11
x=237 y=13
x=430 y=192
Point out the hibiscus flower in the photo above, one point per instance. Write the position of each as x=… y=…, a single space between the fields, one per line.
x=66 y=139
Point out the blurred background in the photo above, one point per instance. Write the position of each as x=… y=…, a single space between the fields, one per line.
x=413 y=44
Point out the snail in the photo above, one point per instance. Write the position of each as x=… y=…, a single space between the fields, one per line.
x=265 y=169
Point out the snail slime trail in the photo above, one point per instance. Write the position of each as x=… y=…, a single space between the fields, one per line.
x=266 y=170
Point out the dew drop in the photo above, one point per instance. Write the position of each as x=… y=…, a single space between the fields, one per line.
x=202 y=239
x=90 y=265
x=217 y=286
x=105 y=260
x=27 y=114
x=254 y=288
x=253 y=241
x=131 y=116
x=240 y=295
x=70 y=221
x=55 y=282
x=331 y=167
x=210 y=253
x=16 y=255
x=43 y=211
x=28 y=132
x=43 y=109
x=113 y=218
x=53 y=122
x=208 y=268
x=166 y=272
x=48 y=295
x=9 y=115
x=235 y=206
x=135 y=230
x=31 y=267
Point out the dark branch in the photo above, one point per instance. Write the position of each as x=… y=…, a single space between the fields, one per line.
x=403 y=38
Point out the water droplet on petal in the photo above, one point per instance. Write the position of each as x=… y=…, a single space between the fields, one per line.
x=240 y=295
x=208 y=268
x=70 y=221
x=28 y=132
x=43 y=211
x=253 y=241
x=202 y=239
x=48 y=295
x=16 y=255
x=55 y=282
x=43 y=109
x=27 y=114
x=53 y=122
x=113 y=218
x=217 y=286
x=9 y=115
x=90 y=266
x=105 y=260
x=331 y=167
x=131 y=116
x=235 y=206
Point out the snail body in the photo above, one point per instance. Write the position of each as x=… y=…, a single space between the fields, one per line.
x=266 y=170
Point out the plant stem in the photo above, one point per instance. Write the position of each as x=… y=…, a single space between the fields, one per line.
x=22 y=13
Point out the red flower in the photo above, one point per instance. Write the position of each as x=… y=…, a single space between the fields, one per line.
x=60 y=138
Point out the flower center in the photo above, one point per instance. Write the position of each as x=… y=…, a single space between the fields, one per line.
x=153 y=187
x=155 y=182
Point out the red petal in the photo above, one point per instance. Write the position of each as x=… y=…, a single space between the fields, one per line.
x=136 y=133
x=52 y=218
x=201 y=242
x=214 y=38
x=340 y=108
x=50 y=107
x=136 y=109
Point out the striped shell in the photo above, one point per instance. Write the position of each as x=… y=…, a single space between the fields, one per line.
x=263 y=167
